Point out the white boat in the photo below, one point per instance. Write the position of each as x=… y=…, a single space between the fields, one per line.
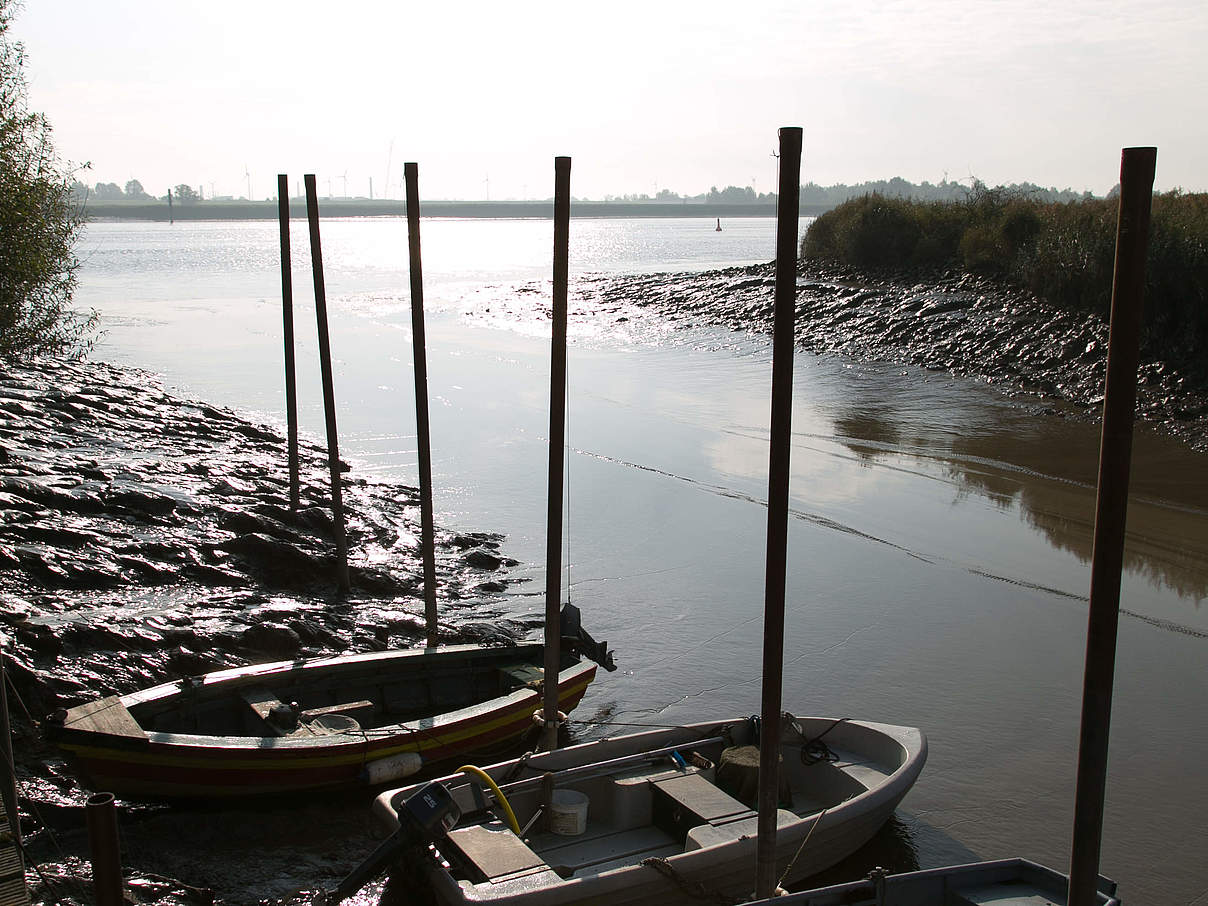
x=659 y=816
x=1005 y=882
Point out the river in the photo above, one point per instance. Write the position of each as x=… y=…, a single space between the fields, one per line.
x=938 y=551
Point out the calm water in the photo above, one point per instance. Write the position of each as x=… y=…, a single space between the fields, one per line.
x=939 y=547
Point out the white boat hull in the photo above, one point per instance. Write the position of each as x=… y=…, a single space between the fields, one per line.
x=650 y=835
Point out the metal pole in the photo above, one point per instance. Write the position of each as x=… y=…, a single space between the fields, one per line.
x=329 y=396
x=423 y=432
x=787 y=208
x=1107 y=559
x=287 y=319
x=557 y=438
x=103 y=849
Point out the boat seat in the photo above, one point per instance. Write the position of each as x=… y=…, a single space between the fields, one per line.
x=710 y=834
x=685 y=801
x=349 y=708
x=517 y=675
x=263 y=701
x=493 y=852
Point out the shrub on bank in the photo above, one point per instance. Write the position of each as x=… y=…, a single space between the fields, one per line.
x=39 y=223
x=1063 y=252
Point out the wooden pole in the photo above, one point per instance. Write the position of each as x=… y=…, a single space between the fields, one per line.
x=104 y=851
x=787 y=208
x=287 y=322
x=329 y=396
x=557 y=439
x=1107 y=558
x=423 y=433
x=8 y=785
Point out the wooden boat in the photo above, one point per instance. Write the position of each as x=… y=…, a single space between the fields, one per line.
x=1005 y=882
x=667 y=812
x=315 y=724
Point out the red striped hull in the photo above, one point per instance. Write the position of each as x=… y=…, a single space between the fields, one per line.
x=172 y=765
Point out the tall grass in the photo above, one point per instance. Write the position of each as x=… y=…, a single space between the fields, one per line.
x=1063 y=252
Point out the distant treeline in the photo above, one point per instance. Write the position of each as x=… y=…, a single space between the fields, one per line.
x=812 y=194
x=1062 y=251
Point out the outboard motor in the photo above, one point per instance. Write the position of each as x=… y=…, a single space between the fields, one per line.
x=425 y=817
x=576 y=639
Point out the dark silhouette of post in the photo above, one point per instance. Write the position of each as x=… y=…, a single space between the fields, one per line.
x=329 y=396
x=287 y=323
x=787 y=207
x=557 y=439
x=422 y=430
x=103 y=850
x=1111 y=508
x=8 y=782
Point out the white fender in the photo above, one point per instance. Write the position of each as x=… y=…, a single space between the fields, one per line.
x=392 y=767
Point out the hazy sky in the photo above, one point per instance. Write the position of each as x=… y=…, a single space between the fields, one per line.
x=643 y=95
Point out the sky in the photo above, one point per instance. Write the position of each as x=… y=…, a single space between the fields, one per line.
x=644 y=96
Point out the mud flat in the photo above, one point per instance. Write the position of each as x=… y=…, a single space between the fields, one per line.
x=958 y=323
x=144 y=537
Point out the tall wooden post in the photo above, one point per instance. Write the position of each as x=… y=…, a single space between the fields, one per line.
x=8 y=780
x=287 y=323
x=1107 y=558
x=787 y=207
x=329 y=397
x=557 y=440
x=423 y=433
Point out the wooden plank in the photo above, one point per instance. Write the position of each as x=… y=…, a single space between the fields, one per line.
x=524 y=674
x=696 y=794
x=348 y=708
x=13 y=891
x=262 y=701
x=105 y=715
x=495 y=851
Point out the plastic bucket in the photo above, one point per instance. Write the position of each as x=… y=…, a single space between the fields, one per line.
x=568 y=813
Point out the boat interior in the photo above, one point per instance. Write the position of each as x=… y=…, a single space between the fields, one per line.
x=655 y=804
x=343 y=695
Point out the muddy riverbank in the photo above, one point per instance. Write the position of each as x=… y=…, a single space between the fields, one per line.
x=144 y=537
x=969 y=326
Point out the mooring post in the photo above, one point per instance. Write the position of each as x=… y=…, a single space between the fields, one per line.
x=787 y=207
x=101 y=815
x=1111 y=507
x=287 y=320
x=557 y=439
x=329 y=396
x=422 y=430
x=8 y=789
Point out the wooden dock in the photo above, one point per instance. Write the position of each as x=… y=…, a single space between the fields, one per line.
x=13 y=891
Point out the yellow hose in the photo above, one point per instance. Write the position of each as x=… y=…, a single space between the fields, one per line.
x=499 y=797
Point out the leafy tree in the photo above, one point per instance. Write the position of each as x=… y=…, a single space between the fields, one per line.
x=39 y=221
x=107 y=191
x=184 y=194
x=134 y=189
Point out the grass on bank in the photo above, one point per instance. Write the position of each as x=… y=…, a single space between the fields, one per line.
x=1063 y=252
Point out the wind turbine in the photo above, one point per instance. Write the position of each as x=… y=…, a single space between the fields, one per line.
x=345 y=178
x=248 y=176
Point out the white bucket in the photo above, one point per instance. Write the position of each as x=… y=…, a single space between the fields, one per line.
x=568 y=813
